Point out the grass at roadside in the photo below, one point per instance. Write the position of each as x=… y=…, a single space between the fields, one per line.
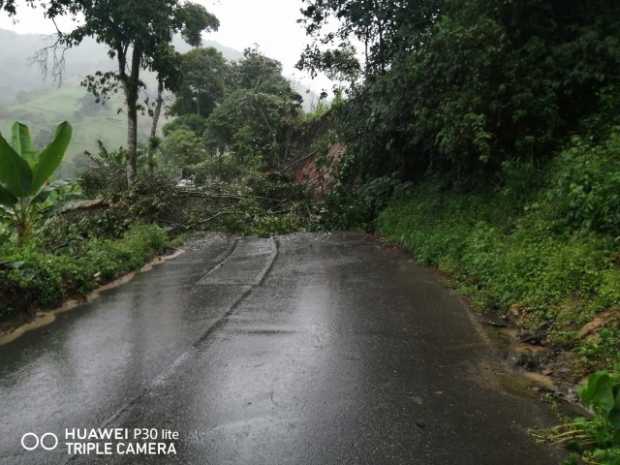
x=547 y=262
x=76 y=250
x=509 y=261
x=34 y=277
x=543 y=250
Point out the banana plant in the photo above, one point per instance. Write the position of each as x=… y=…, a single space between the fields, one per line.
x=25 y=171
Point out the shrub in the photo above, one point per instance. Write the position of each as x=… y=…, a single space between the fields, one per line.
x=345 y=208
x=106 y=175
x=25 y=172
x=513 y=255
x=585 y=191
x=32 y=277
x=596 y=439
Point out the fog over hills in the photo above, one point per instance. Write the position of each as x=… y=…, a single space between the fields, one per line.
x=19 y=74
x=26 y=95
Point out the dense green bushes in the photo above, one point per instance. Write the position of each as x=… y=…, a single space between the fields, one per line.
x=586 y=193
x=550 y=254
x=507 y=261
x=596 y=439
x=458 y=87
x=344 y=208
x=79 y=248
x=34 y=278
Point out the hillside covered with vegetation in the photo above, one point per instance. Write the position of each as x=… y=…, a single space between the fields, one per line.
x=36 y=93
x=212 y=138
x=483 y=136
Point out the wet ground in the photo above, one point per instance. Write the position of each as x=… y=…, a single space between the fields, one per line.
x=305 y=350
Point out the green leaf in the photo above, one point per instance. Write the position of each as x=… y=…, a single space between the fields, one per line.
x=614 y=415
x=6 y=198
x=15 y=173
x=598 y=393
x=614 y=418
x=22 y=142
x=51 y=157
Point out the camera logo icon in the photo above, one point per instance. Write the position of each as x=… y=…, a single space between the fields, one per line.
x=47 y=441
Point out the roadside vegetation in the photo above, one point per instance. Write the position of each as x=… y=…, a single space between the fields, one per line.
x=483 y=136
x=533 y=257
x=596 y=439
x=220 y=163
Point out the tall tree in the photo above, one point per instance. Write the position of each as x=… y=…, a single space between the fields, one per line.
x=255 y=118
x=169 y=65
x=385 y=28
x=260 y=74
x=137 y=33
x=460 y=87
x=8 y=6
x=204 y=72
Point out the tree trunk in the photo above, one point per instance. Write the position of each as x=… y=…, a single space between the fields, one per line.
x=158 y=107
x=156 y=116
x=23 y=222
x=131 y=93
x=366 y=62
x=132 y=140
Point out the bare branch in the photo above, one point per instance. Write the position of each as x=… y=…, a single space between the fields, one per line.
x=51 y=59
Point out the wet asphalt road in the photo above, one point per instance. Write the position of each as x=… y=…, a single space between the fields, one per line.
x=305 y=350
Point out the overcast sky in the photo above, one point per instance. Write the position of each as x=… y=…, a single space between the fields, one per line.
x=269 y=23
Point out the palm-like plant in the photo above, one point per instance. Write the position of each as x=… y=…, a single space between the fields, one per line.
x=24 y=172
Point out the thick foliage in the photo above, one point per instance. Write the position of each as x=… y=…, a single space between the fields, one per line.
x=245 y=108
x=33 y=278
x=387 y=29
x=191 y=121
x=253 y=126
x=481 y=82
x=204 y=72
x=260 y=73
x=586 y=192
x=24 y=173
x=180 y=149
x=543 y=251
x=222 y=167
x=345 y=209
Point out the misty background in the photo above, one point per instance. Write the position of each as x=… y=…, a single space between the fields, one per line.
x=27 y=95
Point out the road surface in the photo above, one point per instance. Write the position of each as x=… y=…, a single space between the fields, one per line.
x=303 y=350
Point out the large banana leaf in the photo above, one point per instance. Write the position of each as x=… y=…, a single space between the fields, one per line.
x=15 y=173
x=22 y=142
x=6 y=198
x=51 y=157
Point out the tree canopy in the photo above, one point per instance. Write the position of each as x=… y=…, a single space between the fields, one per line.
x=245 y=108
x=203 y=75
x=461 y=86
x=260 y=73
x=139 y=35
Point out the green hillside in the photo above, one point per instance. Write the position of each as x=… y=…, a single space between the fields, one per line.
x=26 y=96
x=43 y=109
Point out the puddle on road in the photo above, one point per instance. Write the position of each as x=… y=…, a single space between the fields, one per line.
x=502 y=374
x=520 y=381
